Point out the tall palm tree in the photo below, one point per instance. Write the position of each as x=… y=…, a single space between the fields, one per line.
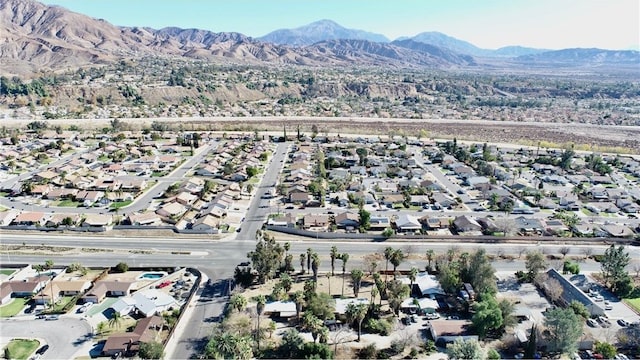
x=334 y=255
x=387 y=256
x=430 y=255
x=309 y=253
x=344 y=257
x=412 y=276
x=116 y=319
x=356 y=280
x=298 y=298
x=260 y=303
x=315 y=265
x=396 y=258
x=374 y=293
x=303 y=258
x=356 y=313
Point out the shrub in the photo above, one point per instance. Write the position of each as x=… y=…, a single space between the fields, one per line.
x=373 y=326
x=122 y=267
x=368 y=352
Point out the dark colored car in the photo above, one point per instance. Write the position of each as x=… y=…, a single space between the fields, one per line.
x=43 y=349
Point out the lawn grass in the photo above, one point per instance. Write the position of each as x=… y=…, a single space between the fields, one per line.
x=634 y=304
x=21 y=348
x=13 y=308
x=120 y=204
x=60 y=304
x=6 y=271
x=68 y=203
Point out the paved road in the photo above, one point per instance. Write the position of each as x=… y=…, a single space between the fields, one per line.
x=79 y=331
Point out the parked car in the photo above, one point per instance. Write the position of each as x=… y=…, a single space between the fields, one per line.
x=623 y=322
x=42 y=349
x=592 y=323
x=52 y=317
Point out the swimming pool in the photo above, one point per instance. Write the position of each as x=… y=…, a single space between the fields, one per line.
x=152 y=275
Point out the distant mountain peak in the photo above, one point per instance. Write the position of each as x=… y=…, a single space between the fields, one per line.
x=321 y=30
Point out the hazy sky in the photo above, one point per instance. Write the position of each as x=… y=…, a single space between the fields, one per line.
x=490 y=24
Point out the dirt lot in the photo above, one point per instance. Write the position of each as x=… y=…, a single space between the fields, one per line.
x=526 y=133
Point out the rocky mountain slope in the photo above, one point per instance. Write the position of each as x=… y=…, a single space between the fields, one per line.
x=35 y=37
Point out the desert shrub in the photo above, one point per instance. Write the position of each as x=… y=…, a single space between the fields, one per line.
x=368 y=352
x=373 y=326
x=122 y=267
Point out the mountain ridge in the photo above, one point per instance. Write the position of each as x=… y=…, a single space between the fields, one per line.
x=35 y=37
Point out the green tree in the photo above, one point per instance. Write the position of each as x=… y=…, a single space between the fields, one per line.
x=532 y=344
x=481 y=274
x=309 y=255
x=449 y=278
x=487 y=316
x=334 y=254
x=260 y=303
x=303 y=258
x=430 y=256
x=613 y=266
x=356 y=281
x=312 y=324
x=396 y=259
x=534 y=263
x=579 y=309
x=229 y=345
x=413 y=273
x=465 y=350
x=364 y=218
x=298 y=298
x=564 y=328
x=355 y=314
x=344 y=257
x=286 y=282
x=315 y=265
x=237 y=302
x=151 y=350
x=290 y=345
x=266 y=258
x=605 y=349
x=115 y=320
x=492 y=354
x=397 y=293
x=122 y=267
x=388 y=251
x=321 y=306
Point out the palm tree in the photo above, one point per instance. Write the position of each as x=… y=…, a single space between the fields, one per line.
x=298 y=298
x=334 y=255
x=396 y=258
x=238 y=302
x=286 y=282
x=374 y=293
x=315 y=265
x=387 y=256
x=356 y=313
x=412 y=276
x=356 y=280
x=344 y=257
x=260 y=302
x=430 y=255
x=287 y=246
x=39 y=268
x=303 y=258
x=309 y=253
x=116 y=319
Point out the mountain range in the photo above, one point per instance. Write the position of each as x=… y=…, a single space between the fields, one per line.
x=34 y=36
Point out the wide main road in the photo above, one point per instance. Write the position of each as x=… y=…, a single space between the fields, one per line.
x=219 y=258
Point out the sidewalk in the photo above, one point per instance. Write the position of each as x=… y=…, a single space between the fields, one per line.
x=171 y=345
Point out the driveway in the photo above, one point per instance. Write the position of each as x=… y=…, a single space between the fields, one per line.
x=74 y=340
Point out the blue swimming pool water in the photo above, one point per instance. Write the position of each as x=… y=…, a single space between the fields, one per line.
x=152 y=275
